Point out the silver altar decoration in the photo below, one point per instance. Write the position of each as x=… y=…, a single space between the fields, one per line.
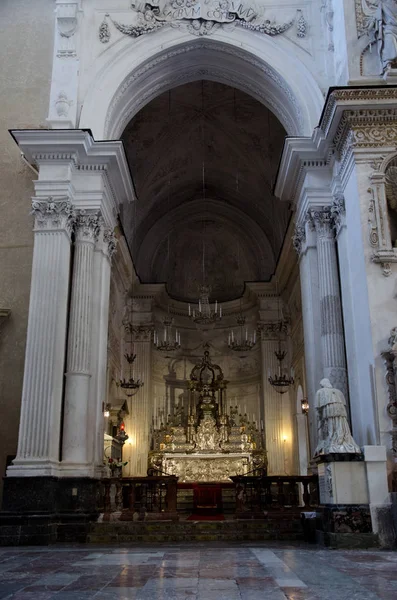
x=204 y=443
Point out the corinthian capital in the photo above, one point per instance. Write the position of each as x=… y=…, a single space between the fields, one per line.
x=299 y=238
x=110 y=241
x=338 y=211
x=87 y=226
x=272 y=330
x=323 y=221
x=53 y=213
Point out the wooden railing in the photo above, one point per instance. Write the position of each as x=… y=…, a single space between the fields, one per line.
x=155 y=494
x=259 y=494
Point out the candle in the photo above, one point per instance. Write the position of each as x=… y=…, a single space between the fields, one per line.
x=216 y=305
x=199 y=305
x=189 y=311
x=220 y=311
x=246 y=334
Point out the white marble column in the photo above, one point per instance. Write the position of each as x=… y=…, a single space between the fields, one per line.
x=77 y=420
x=39 y=431
x=305 y=243
x=332 y=335
x=104 y=250
x=272 y=400
x=140 y=405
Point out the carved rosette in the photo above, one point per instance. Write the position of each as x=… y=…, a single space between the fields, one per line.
x=53 y=213
x=87 y=226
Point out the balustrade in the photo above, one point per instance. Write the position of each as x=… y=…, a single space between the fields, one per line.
x=258 y=494
x=153 y=494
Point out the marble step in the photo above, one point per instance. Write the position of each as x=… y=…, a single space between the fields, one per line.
x=163 y=531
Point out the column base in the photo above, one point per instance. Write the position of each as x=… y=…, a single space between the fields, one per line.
x=44 y=510
x=345 y=526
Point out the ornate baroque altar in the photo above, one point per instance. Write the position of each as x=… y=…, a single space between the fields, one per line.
x=204 y=443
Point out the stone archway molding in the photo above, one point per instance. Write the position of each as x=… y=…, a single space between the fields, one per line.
x=268 y=70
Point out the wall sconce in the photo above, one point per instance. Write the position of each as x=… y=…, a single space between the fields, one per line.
x=106 y=411
x=305 y=406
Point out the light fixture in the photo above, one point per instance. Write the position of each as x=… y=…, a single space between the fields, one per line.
x=106 y=411
x=280 y=380
x=121 y=436
x=201 y=313
x=168 y=341
x=305 y=406
x=243 y=340
x=130 y=385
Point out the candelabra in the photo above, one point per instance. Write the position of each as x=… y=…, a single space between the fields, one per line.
x=169 y=341
x=243 y=341
x=202 y=314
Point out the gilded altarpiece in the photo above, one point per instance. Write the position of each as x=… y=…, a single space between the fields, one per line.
x=206 y=443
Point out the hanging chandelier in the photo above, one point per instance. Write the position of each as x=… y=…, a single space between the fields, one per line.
x=168 y=341
x=242 y=341
x=130 y=385
x=202 y=313
x=280 y=380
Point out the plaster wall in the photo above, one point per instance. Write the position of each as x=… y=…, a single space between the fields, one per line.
x=381 y=305
x=354 y=259
x=26 y=32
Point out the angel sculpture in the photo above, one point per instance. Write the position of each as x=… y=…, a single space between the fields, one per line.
x=381 y=25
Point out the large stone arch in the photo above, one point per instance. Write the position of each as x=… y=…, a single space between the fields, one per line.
x=124 y=81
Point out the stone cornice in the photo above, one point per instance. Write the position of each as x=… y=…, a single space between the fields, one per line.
x=354 y=119
x=81 y=154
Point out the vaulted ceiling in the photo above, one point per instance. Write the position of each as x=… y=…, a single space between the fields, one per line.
x=204 y=158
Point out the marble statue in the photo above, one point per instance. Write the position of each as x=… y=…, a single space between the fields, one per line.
x=334 y=431
x=381 y=25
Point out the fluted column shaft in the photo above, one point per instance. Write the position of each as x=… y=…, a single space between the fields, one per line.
x=76 y=412
x=305 y=243
x=39 y=431
x=332 y=334
x=272 y=402
x=103 y=253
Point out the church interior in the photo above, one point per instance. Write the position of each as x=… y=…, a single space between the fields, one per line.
x=198 y=275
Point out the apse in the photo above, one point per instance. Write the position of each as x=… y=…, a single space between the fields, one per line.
x=204 y=158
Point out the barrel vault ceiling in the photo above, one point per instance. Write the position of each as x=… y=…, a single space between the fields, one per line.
x=204 y=158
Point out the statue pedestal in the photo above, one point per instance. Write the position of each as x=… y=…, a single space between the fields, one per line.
x=342 y=479
x=355 y=503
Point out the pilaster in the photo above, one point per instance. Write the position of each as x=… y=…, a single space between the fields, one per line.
x=103 y=253
x=305 y=243
x=272 y=400
x=140 y=405
x=39 y=431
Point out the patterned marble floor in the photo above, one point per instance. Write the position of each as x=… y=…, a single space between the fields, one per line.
x=197 y=572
